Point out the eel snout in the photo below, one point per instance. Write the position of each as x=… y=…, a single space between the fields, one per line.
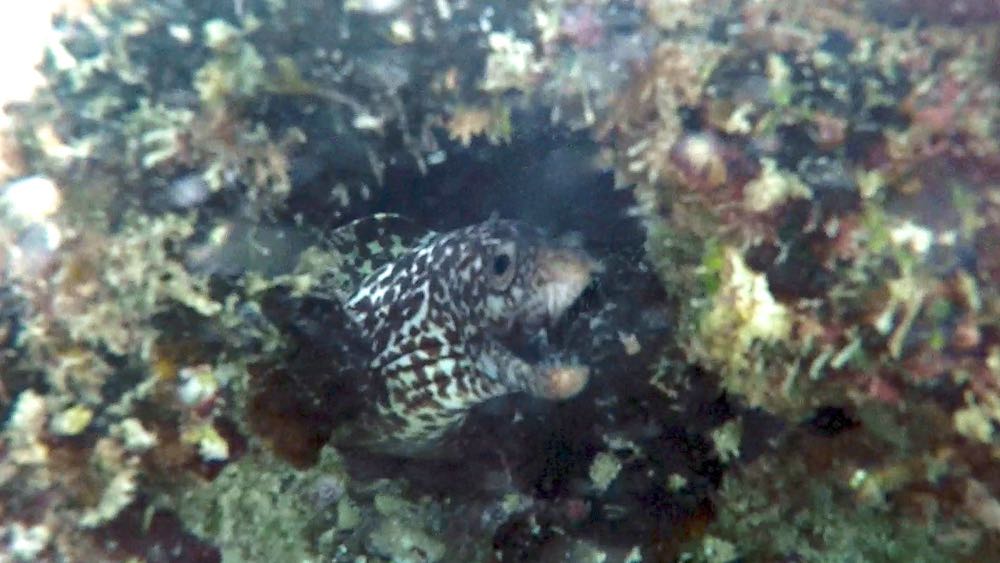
x=563 y=273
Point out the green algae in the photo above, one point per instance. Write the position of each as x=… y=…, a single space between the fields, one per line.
x=256 y=510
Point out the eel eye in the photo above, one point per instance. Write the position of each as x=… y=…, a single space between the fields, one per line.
x=500 y=264
x=503 y=268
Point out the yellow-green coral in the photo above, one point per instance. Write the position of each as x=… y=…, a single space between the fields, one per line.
x=741 y=314
x=72 y=421
x=237 y=70
x=773 y=187
x=211 y=445
x=154 y=133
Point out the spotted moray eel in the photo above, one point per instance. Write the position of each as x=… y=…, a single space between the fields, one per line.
x=435 y=309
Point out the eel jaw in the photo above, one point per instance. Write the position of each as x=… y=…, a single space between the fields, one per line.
x=560 y=382
x=562 y=276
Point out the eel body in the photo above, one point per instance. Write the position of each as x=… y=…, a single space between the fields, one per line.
x=435 y=310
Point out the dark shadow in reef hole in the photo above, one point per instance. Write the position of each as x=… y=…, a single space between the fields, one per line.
x=547 y=176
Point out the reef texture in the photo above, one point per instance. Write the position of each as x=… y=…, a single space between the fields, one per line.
x=793 y=340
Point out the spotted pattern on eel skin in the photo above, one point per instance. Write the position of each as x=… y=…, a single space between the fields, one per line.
x=435 y=317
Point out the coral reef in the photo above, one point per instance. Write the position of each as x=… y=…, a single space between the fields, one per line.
x=793 y=343
x=810 y=189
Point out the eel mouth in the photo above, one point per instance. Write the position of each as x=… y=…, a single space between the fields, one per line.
x=562 y=274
